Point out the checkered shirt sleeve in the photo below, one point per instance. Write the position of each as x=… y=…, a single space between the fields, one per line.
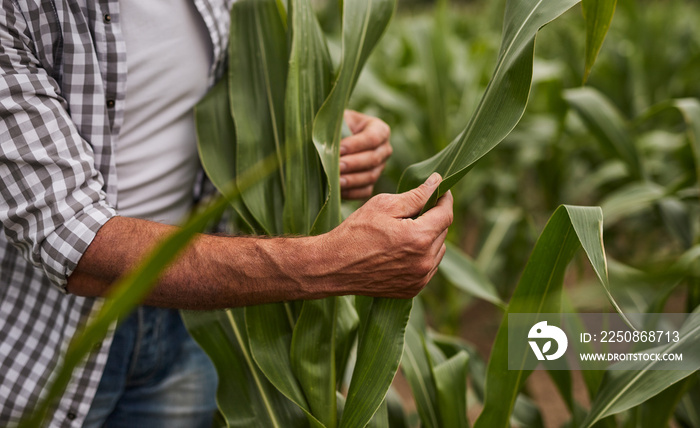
x=62 y=88
x=52 y=201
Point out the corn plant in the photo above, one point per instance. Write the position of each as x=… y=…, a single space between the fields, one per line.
x=280 y=110
x=298 y=348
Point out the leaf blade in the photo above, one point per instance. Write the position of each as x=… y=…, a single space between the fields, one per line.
x=598 y=15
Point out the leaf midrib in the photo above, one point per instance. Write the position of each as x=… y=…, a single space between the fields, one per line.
x=248 y=361
x=499 y=66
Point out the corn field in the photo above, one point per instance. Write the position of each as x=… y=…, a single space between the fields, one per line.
x=569 y=135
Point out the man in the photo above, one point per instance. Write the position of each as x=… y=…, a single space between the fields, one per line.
x=98 y=160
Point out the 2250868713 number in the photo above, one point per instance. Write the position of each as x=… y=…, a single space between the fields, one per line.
x=639 y=336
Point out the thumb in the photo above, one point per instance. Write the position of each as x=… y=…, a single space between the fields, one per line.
x=413 y=201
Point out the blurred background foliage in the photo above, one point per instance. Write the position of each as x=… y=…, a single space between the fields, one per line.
x=427 y=76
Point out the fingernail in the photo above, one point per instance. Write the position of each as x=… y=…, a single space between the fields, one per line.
x=343 y=181
x=343 y=150
x=433 y=179
x=343 y=166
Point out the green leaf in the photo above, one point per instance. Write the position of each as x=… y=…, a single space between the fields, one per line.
x=461 y=271
x=216 y=143
x=269 y=329
x=658 y=411
x=538 y=292
x=451 y=385
x=381 y=418
x=690 y=110
x=607 y=124
x=364 y=22
x=313 y=359
x=257 y=74
x=396 y=414
x=347 y=323
x=635 y=382
x=416 y=368
x=381 y=340
x=630 y=199
x=251 y=399
x=598 y=15
x=503 y=103
x=687 y=410
x=308 y=84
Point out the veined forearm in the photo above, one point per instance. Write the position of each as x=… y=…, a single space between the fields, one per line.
x=213 y=272
x=380 y=250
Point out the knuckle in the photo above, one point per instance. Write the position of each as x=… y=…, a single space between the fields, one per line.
x=423 y=242
x=383 y=200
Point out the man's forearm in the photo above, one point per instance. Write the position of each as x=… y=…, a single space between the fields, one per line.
x=213 y=272
x=381 y=250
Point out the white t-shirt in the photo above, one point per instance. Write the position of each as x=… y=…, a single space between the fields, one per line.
x=168 y=53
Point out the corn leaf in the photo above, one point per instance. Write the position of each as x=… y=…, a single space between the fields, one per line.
x=216 y=143
x=381 y=418
x=269 y=329
x=308 y=84
x=291 y=360
x=347 y=323
x=416 y=369
x=607 y=124
x=658 y=411
x=690 y=110
x=630 y=199
x=251 y=400
x=538 y=292
x=460 y=270
x=257 y=75
x=312 y=354
x=598 y=15
x=451 y=386
x=379 y=350
x=635 y=382
x=503 y=103
x=364 y=22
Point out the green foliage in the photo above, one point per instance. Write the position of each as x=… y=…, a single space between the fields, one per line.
x=280 y=67
x=619 y=143
x=599 y=15
x=539 y=291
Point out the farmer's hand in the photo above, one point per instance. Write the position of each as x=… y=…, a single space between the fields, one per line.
x=363 y=155
x=381 y=251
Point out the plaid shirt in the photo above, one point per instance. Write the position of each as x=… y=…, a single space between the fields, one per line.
x=62 y=91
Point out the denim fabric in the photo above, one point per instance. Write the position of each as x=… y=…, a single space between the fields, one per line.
x=156 y=376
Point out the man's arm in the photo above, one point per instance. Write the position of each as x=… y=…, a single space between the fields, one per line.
x=378 y=251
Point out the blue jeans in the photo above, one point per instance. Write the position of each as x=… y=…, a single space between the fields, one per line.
x=156 y=376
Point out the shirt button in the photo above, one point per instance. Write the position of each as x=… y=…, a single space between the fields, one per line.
x=71 y=416
x=110 y=103
x=108 y=18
